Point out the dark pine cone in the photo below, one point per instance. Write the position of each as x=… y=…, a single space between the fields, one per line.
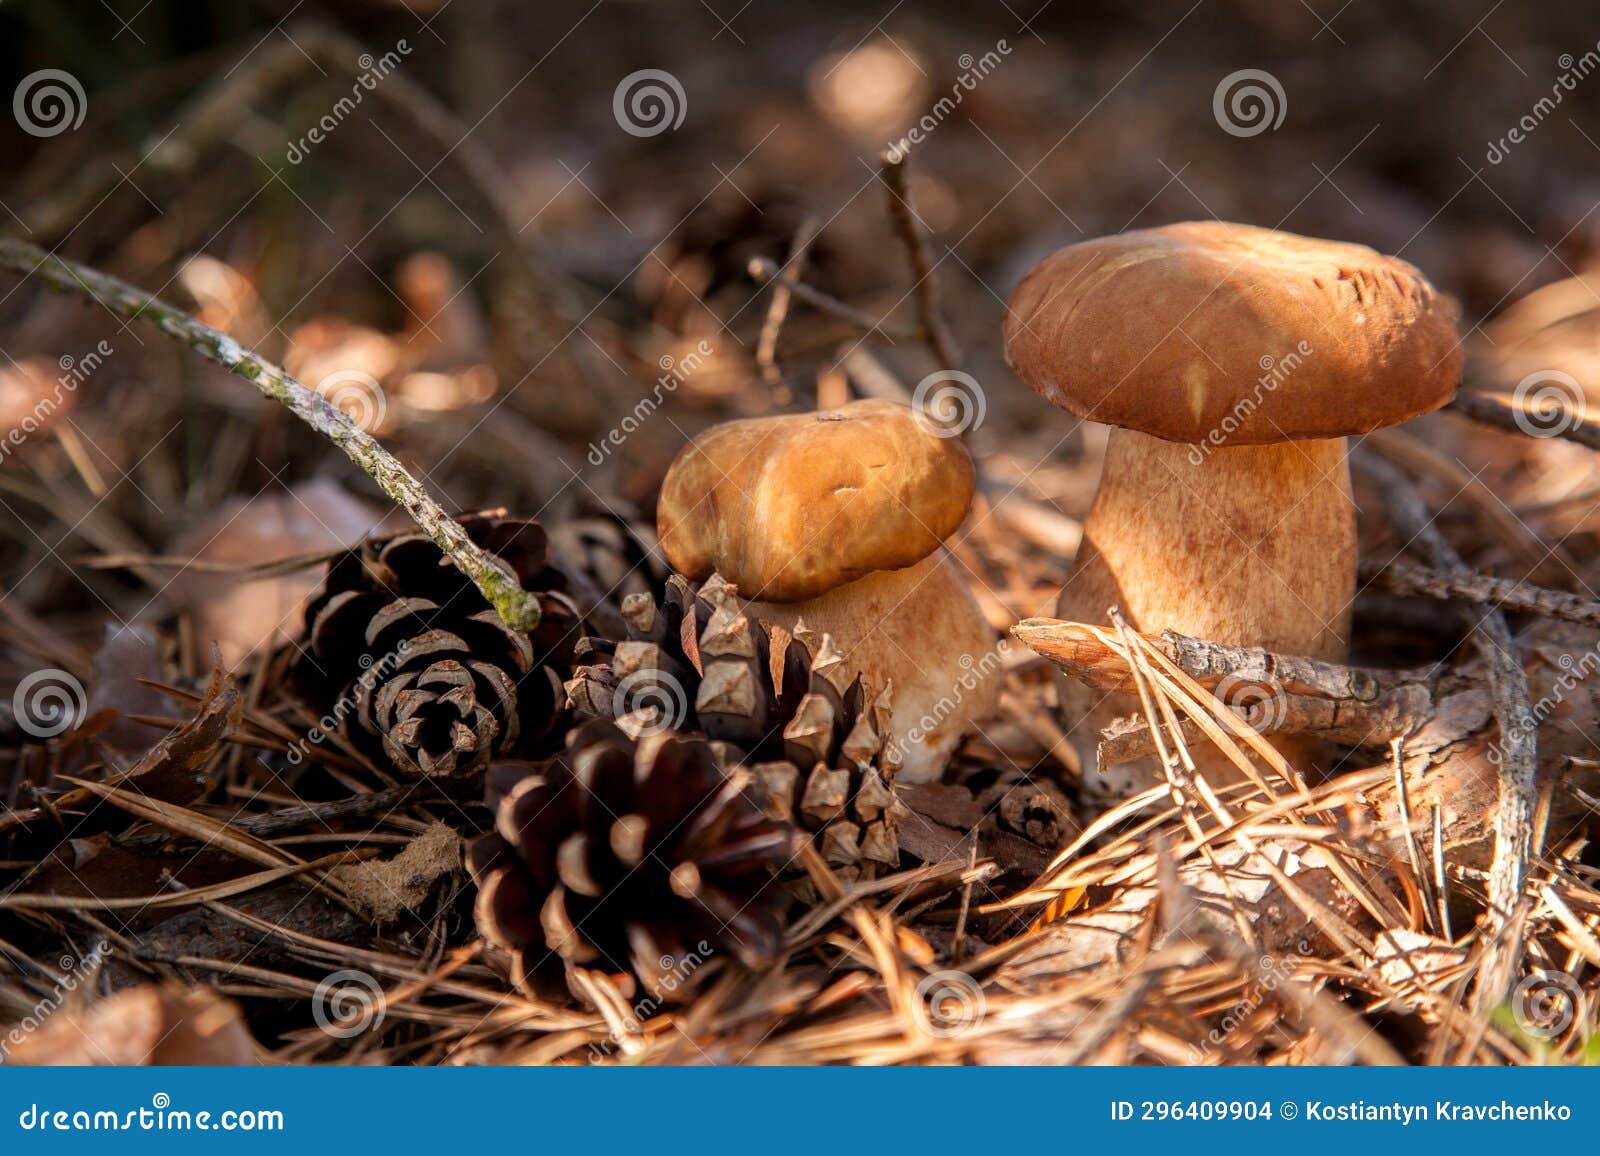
x=813 y=735
x=630 y=856
x=417 y=669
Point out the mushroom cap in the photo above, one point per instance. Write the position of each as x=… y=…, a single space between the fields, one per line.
x=787 y=508
x=1194 y=332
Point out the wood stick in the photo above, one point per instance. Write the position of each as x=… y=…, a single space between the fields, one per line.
x=1517 y=744
x=518 y=608
x=1482 y=589
x=1487 y=411
x=1344 y=704
x=766 y=270
x=926 y=288
x=778 y=308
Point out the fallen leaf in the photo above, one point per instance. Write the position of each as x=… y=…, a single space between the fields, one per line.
x=142 y=1027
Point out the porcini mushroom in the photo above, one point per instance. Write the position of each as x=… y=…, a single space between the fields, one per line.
x=837 y=520
x=1232 y=362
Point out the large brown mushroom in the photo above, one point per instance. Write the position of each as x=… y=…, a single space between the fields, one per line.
x=837 y=519
x=1232 y=362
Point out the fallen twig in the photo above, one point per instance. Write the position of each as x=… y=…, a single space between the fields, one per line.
x=766 y=270
x=778 y=308
x=499 y=586
x=1487 y=411
x=1470 y=586
x=926 y=286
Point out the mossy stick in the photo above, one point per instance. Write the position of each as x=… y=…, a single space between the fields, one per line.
x=499 y=586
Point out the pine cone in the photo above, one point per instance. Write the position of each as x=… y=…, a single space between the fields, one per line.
x=634 y=856
x=812 y=734
x=619 y=552
x=414 y=667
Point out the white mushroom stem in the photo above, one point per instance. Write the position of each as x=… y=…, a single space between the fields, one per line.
x=921 y=630
x=1251 y=545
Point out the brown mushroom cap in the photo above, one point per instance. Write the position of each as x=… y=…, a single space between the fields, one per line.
x=1173 y=331
x=787 y=508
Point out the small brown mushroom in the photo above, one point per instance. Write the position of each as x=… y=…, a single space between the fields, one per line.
x=837 y=519
x=1233 y=362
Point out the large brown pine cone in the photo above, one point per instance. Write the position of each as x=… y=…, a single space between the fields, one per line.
x=632 y=856
x=405 y=658
x=814 y=736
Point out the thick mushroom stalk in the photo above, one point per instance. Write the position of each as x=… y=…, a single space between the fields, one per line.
x=1254 y=544
x=837 y=520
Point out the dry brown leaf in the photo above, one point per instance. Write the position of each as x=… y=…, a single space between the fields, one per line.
x=139 y=1027
x=241 y=616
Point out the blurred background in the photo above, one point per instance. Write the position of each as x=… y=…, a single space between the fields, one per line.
x=489 y=229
